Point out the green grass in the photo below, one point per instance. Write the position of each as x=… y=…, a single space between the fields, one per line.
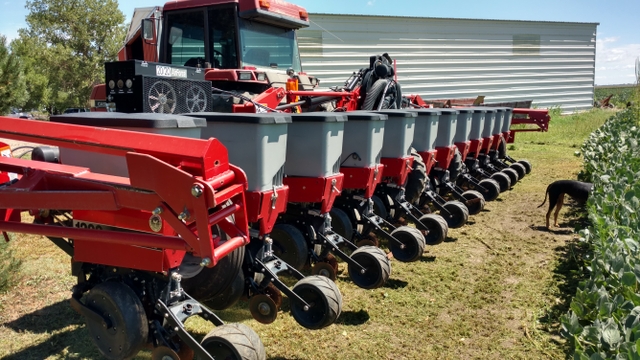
x=495 y=289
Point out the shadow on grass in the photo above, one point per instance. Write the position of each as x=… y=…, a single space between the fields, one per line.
x=353 y=318
x=430 y=258
x=450 y=239
x=568 y=274
x=395 y=284
x=54 y=318
x=48 y=319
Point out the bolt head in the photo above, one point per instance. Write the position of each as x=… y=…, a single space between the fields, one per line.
x=205 y=262
x=197 y=190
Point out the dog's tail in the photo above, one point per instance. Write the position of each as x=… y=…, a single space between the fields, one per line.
x=545 y=196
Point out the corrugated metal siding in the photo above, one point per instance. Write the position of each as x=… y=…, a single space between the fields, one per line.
x=551 y=63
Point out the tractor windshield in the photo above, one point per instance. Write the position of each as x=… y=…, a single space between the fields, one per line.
x=263 y=45
x=186 y=43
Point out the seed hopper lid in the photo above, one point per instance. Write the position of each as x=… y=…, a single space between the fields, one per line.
x=246 y=118
x=140 y=120
x=319 y=117
x=366 y=116
x=405 y=113
x=427 y=112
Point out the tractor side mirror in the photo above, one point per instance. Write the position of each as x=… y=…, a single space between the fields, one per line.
x=147 y=29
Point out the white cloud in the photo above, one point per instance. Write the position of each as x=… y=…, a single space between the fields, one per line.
x=371 y=2
x=615 y=64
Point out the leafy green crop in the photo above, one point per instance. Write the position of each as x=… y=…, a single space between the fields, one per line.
x=604 y=320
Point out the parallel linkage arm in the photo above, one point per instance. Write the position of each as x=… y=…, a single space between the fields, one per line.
x=188 y=181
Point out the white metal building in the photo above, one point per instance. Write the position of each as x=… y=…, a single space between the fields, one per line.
x=551 y=63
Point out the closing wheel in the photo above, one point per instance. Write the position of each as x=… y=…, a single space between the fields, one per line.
x=377 y=267
x=369 y=240
x=164 y=353
x=341 y=223
x=325 y=302
x=458 y=214
x=263 y=308
x=290 y=245
x=438 y=228
x=324 y=269
x=475 y=201
x=512 y=174
x=234 y=342
x=491 y=189
x=526 y=164
x=413 y=244
x=275 y=294
x=503 y=180
x=128 y=329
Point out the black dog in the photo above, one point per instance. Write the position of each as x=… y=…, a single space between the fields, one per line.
x=578 y=190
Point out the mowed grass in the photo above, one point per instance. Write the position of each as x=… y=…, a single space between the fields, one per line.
x=493 y=290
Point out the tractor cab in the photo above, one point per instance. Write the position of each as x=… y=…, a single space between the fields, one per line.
x=247 y=45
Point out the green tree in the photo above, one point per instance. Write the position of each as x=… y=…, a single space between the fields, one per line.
x=66 y=44
x=13 y=90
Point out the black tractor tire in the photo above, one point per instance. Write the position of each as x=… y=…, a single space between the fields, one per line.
x=417 y=179
x=503 y=180
x=325 y=300
x=413 y=241
x=475 y=201
x=119 y=304
x=235 y=342
x=290 y=245
x=373 y=95
x=458 y=214
x=492 y=189
x=377 y=267
x=341 y=223
x=438 y=228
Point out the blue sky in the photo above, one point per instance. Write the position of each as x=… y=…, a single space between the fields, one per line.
x=618 y=39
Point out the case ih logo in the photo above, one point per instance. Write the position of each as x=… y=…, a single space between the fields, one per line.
x=167 y=71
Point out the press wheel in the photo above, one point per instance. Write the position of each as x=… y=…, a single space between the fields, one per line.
x=438 y=228
x=458 y=214
x=234 y=342
x=526 y=164
x=377 y=267
x=503 y=180
x=324 y=299
x=491 y=189
x=474 y=201
x=413 y=244
x=520 y=169
x=512 y=174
